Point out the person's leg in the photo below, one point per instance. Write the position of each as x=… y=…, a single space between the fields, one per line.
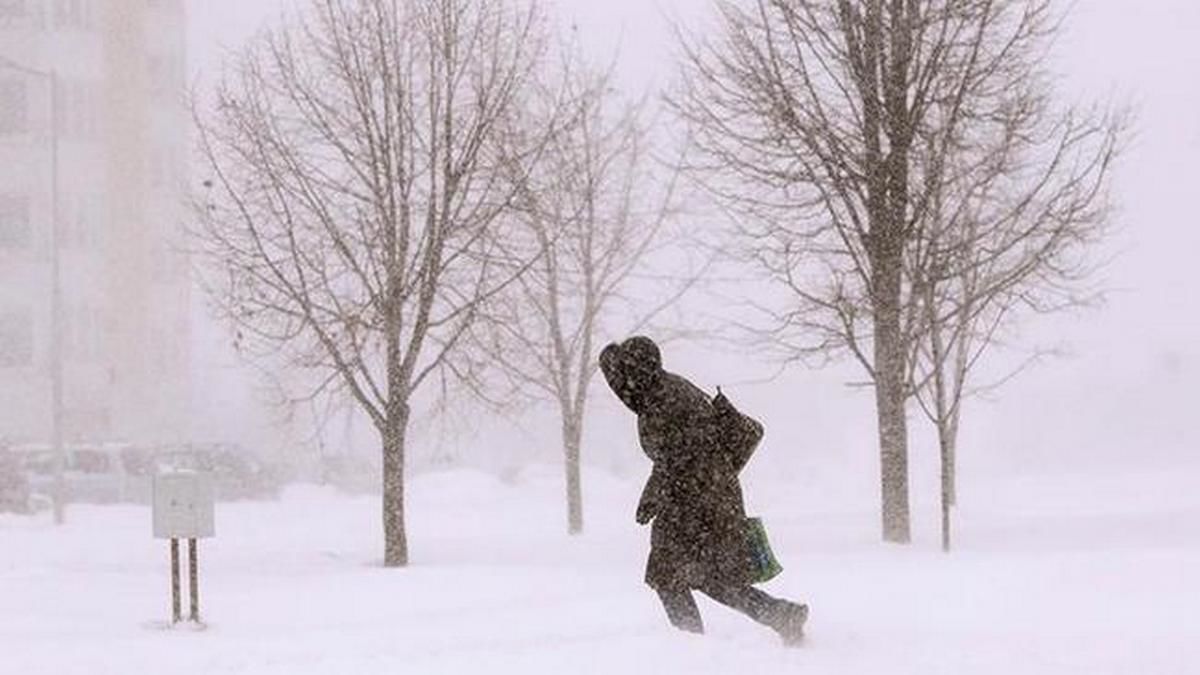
x=681 y=609
x=748 y=600
x=784 y=616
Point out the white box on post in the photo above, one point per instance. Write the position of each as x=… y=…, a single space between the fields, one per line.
x=184 y=509
x=183 y=506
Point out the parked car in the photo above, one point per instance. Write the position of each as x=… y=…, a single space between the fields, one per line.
x=94 y=473
x=15 y=495
x=236 y=473
x=107 y=473
x=37 y=463
x=137 y=463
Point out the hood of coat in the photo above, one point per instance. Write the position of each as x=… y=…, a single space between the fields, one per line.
x=633 y=370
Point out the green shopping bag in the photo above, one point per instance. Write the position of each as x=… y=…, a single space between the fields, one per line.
x=765 y=566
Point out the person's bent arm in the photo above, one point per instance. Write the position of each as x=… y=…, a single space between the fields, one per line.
x=648 y=505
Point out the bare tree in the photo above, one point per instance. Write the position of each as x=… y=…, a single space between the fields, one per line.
x=597 y=209
x=358 y=200
x=829 y=126
x=1010 y=230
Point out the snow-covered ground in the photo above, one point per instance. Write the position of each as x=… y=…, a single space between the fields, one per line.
x=1090 y=575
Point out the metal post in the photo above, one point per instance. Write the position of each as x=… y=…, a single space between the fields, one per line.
x=194 y=581
x=175 y=603
x=56 y=364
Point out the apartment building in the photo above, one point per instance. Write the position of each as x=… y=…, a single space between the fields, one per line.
x=119 y=120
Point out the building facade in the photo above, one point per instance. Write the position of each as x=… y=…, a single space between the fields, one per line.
x=120 y=122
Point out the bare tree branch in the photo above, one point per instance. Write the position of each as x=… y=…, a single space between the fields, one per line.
x=360 y=185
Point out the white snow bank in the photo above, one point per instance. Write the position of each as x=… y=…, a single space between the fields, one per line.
x=295 y=586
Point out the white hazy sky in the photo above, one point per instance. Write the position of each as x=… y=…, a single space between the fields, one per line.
x=1127 y=389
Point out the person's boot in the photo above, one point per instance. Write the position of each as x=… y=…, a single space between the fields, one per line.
x=689 y=625
x=789 y=621
x=682 y=611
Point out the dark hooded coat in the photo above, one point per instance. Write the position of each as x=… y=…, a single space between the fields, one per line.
x=698 y=445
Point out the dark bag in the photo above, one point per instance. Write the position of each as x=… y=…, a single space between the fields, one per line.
x=740 y=436
x=765 y=566
x=740 y=433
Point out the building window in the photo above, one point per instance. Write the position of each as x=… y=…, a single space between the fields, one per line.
x=81 y=337
x=16 y=338
x=155 y=168
x=72 y=14
x=14 y=107
x=11 y=9
x=14 y=221
x=162 y=168
x=169 y=5
x=21 y=14
x=77 y=118
x=165 y=76
x=77 y=223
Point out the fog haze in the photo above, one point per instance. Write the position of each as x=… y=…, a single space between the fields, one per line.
x=1121 y=391
x=1067 y=540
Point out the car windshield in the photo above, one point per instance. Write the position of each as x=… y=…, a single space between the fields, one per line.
x=179 y=461
x=137 y=462
x=41 y=463
x=91 y=461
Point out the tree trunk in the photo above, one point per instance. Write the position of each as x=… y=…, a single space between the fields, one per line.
x=395 y=537
x=890 y=399
x=945 y=444
x=951 y=461
x=572 y=438
x=945 y=416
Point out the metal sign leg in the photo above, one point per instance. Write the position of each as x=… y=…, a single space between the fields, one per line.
x=194 y=580
x=175 y=609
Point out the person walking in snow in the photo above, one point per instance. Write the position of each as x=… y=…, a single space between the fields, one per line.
x=698 y=446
